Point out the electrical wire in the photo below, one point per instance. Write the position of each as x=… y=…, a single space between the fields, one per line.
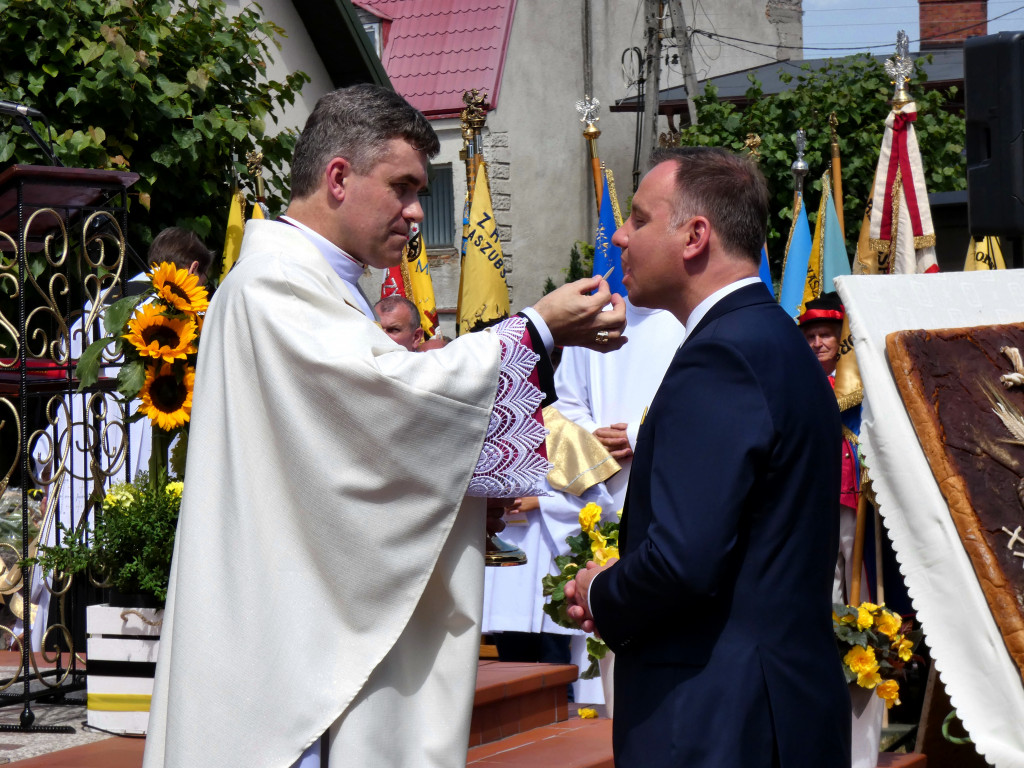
x=716 y=36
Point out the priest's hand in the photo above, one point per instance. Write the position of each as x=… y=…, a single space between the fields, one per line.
x=575 y=317
x=615 y=440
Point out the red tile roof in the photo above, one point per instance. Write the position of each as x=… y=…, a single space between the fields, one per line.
x=434 y=50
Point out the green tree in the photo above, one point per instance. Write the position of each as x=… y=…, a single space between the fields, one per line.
x=858 y=90
x=175 y=92
x=580 y=265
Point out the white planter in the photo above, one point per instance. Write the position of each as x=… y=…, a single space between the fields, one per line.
x=867 y=727
x=120 y=660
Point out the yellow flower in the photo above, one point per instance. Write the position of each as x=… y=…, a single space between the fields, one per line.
x=604 y=554
x=861 y=660
x=889 y=623
x=166 y=400
x=619 y=514
x=119 y=497
x=869 y=679
x=586 y=713
x=174 y=488
x=864 y=617
x=906 y=648
x=597 y=540
x=163 y=338
x=590 y=515
x=179 y=289
x=889 y=691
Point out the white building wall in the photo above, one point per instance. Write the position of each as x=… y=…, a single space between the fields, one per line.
x=541 y=181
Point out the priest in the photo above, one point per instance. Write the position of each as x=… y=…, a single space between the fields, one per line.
x=304 y=507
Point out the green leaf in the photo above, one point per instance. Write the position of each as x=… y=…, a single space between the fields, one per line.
x=118 y=313
x=168 y=88
x=87 y=370
x=91 y=51
x=131 y=377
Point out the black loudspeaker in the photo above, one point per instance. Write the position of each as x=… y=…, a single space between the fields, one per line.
x=994 y=94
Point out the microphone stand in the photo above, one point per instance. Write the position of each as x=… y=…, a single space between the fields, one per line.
x=27 y=125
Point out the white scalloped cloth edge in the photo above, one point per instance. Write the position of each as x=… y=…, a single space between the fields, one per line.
x=980 y=677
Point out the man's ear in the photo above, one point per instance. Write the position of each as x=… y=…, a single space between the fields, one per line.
x=418 y=335
x=337 y=173
x=696 y=236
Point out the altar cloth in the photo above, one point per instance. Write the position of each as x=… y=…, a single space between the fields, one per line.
x=967 y=648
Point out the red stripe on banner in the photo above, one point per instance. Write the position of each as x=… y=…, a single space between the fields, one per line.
x=909 y=189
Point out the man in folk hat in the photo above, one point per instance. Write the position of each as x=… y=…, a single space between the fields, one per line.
x=822 y=324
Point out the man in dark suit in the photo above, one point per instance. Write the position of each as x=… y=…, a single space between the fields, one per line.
x=719 y=611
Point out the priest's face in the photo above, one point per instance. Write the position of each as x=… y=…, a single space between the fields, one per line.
x=379 y=206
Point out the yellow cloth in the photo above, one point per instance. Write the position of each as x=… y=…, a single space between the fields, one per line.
x=580 y=460
x=423 y=289
x=984 y=253
x=233 y=236
x=483 y=290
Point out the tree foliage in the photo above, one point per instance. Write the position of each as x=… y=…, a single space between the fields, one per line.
x=858 y=90
x=175 y=92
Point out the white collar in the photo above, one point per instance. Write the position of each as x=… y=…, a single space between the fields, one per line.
x=345 y=266
x=705 y=306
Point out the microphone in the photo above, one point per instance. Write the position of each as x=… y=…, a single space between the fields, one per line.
x=14 y=109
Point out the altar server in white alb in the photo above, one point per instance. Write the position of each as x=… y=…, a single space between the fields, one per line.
x=302 y=509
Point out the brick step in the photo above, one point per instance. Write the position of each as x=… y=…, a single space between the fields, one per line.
x=572 y=744
x=515 y=697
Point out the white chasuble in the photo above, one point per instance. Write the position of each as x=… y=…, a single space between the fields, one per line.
x=328 y=572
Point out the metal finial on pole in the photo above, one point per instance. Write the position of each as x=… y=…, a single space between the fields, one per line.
x=472 y=120
x=588 y=116
x=799 y=168
x=899 y=68
x=752 y=144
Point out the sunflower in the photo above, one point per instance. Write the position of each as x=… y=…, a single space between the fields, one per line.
x=179 y=289
x=166 y=400
x=165 y=338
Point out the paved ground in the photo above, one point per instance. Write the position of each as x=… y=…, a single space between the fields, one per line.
x=20 y=745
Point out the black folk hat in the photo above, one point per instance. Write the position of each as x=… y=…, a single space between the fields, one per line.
x=826 y=307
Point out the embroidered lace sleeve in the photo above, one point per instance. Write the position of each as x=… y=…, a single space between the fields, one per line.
x=510 y=461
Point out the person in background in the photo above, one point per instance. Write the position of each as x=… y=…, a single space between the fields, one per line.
x=400 y=319
x=822 y=325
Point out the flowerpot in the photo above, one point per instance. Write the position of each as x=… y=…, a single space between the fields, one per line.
x=866 y=731
x=132 y=600
x=121 y=654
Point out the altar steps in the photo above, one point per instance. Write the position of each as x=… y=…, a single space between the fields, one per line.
x=521 y=719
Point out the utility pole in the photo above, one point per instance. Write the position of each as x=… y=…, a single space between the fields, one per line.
x=652 y=78
x=682 y=35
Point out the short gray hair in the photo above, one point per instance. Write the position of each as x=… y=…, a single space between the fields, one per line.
x=390 y=303
x=727 y=188
x=356 y=123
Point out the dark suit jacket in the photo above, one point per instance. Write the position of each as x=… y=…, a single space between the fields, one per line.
x=719 y=611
